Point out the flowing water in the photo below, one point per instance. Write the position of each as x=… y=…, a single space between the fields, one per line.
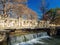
x=35 y=39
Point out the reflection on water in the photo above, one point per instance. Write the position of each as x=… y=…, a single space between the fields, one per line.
x=35 y=39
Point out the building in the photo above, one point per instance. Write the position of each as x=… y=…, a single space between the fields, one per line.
x=43 y=24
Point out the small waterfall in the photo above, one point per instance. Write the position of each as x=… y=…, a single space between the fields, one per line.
x=28 y=39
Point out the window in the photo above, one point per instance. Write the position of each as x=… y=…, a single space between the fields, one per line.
x=1 y=7
x=31 y=22
x=24 y=21
x=24 y=17
x=32 y=17
x=12 y=13
x=27 y=21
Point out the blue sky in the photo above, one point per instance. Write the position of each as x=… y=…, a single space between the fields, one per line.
x=34 y=5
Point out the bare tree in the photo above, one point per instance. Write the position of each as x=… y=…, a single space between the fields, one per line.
x=17 y=9
x=8 y=5
x=44 y=7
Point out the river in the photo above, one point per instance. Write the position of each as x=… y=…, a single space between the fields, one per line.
x=35 y=39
